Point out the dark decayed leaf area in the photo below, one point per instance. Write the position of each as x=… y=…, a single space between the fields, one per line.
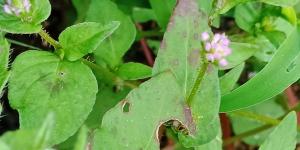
x=153 y=49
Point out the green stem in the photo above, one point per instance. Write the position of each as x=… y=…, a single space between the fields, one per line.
x=49 y=39
x=257 y=117
x=201 y=74
x=270 y=122
x=246 y=134
x=22 y=44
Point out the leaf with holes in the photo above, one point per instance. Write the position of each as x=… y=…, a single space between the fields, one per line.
x=115 y=46
x=147 y=108
x=272 y=80
x=287 y=129
x=4 y=58
x=180 y=53
x=81 y=39
x=28 y=20
x=68 y=89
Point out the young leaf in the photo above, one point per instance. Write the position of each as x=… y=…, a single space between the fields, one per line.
x=228 y=81
x=4 y=58
x=81 y=39
x=283 y=136
x=134 y=71
x=68 y=89
x=163 y=11
x=180 y=53
x=27 y=19
x=115 y=46
x=272 y=80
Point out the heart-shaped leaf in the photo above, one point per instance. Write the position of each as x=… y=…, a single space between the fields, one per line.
x=42 y=83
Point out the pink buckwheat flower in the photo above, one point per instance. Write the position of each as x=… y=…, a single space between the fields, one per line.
x=217 y=48
x=15 y=9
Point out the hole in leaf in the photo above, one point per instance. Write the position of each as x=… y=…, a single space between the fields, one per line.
x=269 y=52
x=61 y=74
x=126 y=107
x=167 y=131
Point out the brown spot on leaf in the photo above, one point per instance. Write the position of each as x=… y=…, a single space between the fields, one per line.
x=189 y=120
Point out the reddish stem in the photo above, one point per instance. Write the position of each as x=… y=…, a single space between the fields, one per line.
x=145 y=48
x=292 y=100
x=226 y=129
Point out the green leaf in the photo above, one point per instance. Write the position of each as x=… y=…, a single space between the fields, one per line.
x=4 y=58
x=222 y=6
x=247 y=15
x=81 y=39
x=228 y=81
x=143 y=14
x=37 y=139
x=115 y=46
x=270 y=108
x=240 y=53
x=81 y=7
x=147 y=108
x=283 y=136
x=163 y=11
x=180 y=54
x=271 y=81
x=26 y=22
x=68 y=89
x=215 y=144
x=134 y=71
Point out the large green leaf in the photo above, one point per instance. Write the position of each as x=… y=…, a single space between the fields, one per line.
x=146 y=108
x=223 y=6
x=4 y=58
x=42 y=83
x=28 y=22
x=81 y=39
x=284 y=135
x=272 y=80
x=114 y=47
x=180 y=54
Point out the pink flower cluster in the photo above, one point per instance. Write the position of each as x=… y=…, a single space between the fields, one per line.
x=10 y=8
x=217 y=48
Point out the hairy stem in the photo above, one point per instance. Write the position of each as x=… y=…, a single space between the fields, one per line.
x=49 y=39
x=201 y=74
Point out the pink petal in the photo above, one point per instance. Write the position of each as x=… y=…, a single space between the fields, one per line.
x=223 y=62
x=205 y=36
